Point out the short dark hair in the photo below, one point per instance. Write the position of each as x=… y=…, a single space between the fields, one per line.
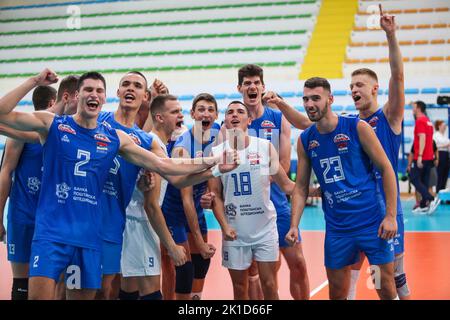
x=250 y=70
x=90 y=75
x=437 y=124
x=365 y=71
x=204 y=97
x=42 y=96
x=139 y=74
x=69 y=84
x=159 y=102
x=315 y=82
x=238 y=102
x=421 y=105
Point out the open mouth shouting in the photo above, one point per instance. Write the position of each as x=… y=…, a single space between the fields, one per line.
x=129 y=98
x=92 y=104
x=356 y=98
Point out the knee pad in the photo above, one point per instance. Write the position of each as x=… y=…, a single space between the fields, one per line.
x=184 y=277
x=19 y=289
x=123 y=295
x=400 y=277
x=201 y=266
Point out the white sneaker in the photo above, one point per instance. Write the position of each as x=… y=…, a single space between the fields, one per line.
x=420 y=210
x=433 y=205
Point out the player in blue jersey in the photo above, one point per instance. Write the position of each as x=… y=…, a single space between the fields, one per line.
x=182 y=209
x=20 y=180
x=342 y=151
x=271 y=125
x=68 y=224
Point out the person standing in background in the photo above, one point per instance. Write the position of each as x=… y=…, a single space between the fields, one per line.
x=443 y=144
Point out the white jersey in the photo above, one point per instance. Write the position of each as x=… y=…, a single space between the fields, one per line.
x=135 y=208
x=246 y=190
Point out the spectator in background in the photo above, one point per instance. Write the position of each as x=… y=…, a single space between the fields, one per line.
x=423 y=159
x=443 y=145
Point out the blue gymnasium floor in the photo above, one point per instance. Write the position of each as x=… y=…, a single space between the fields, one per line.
x=313 y=220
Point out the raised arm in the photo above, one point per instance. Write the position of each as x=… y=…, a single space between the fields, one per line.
x=38 y=121
x=294 y=117
x=26 y=137
x=156 y=218
x=300 y=193
x=13 y=150
x=374 y=150
x=12 y=98
x=395 y=106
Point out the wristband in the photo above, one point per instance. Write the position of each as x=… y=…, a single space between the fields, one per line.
x=215 y=171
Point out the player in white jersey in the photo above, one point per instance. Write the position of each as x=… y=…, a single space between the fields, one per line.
x=243 y=207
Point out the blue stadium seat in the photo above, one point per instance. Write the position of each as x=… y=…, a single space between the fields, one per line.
x=287 y=94
x=411 y=91
x=186 y=97
x=408 y=107
x=444 y=90
x=300 y=94
x=350 y=107
x=220 y=96
x=300 y=108
x=408 y=123
x=112 y=100
x=380 y=91
x=25 y=103
x=386 y=92
x=235 y=96
x=429 y=90
x=337 y=108
x=340 y=92
x=408 y=139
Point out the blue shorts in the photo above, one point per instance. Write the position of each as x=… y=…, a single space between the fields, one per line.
x=343 y=250
x=283 y=226
x=82 y=266
x=111 y=255
x=399 y=240
x=179 y=230
x=19 y=237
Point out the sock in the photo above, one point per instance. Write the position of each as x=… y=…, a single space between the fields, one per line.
x=152 y=296
x=354 y=276
x=196 y=295
x=396 y=298
x=124 y=295
x=19 y=289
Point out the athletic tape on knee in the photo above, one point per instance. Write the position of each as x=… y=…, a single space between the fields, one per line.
x=400 y=277
x=19 y=289
x=184 y=277
x=201 y=266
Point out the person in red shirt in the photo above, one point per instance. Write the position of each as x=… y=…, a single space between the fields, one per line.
x=423 y=159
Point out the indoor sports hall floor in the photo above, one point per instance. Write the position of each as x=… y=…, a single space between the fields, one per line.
x=427 y=259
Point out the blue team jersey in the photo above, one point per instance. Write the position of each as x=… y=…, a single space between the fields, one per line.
x=76 y=163
x=172 y=206
x=391 y=145
x=345 y=173
x=268 y=126
x=120 y=183
x=24 y=194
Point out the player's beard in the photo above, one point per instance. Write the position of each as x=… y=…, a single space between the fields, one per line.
x=319 y=114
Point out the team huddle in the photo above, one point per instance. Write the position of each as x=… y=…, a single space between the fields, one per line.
x=101 y=200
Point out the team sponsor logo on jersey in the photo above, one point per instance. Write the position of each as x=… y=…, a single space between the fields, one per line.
x=373 y=122
x=101 y=137
x=230 y=210
x=253 y=158
x=329 y=198
x=313 y=154
x=65 y=138
x=313 y=144
x=62 y=191
x=135 y=138
x=66 y=128
x=102 y=146
x=267 y=124
x=267 y=134
x=341 y=140
x=33 y=184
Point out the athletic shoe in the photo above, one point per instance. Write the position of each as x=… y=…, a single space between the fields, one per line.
x=420 y=210
x=433 y=205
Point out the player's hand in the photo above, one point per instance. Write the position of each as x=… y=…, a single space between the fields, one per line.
x=207 y=199
x=158 y=88
x=292 y=236
x=419 y=163
x=387 y=22
x=229 y=234
x=271 y=99
x=228 y=161
x=146 y=181
x=207 y=250
x=315 y=192
x=178 y=255
x=388 y=228
x=45 y=78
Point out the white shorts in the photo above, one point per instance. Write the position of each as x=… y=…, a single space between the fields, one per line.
x=241 y=257
x=141 y=253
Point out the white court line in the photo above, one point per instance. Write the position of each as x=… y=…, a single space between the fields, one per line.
x=316 y=290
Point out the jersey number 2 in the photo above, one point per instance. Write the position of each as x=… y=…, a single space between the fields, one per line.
x=80 y=155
